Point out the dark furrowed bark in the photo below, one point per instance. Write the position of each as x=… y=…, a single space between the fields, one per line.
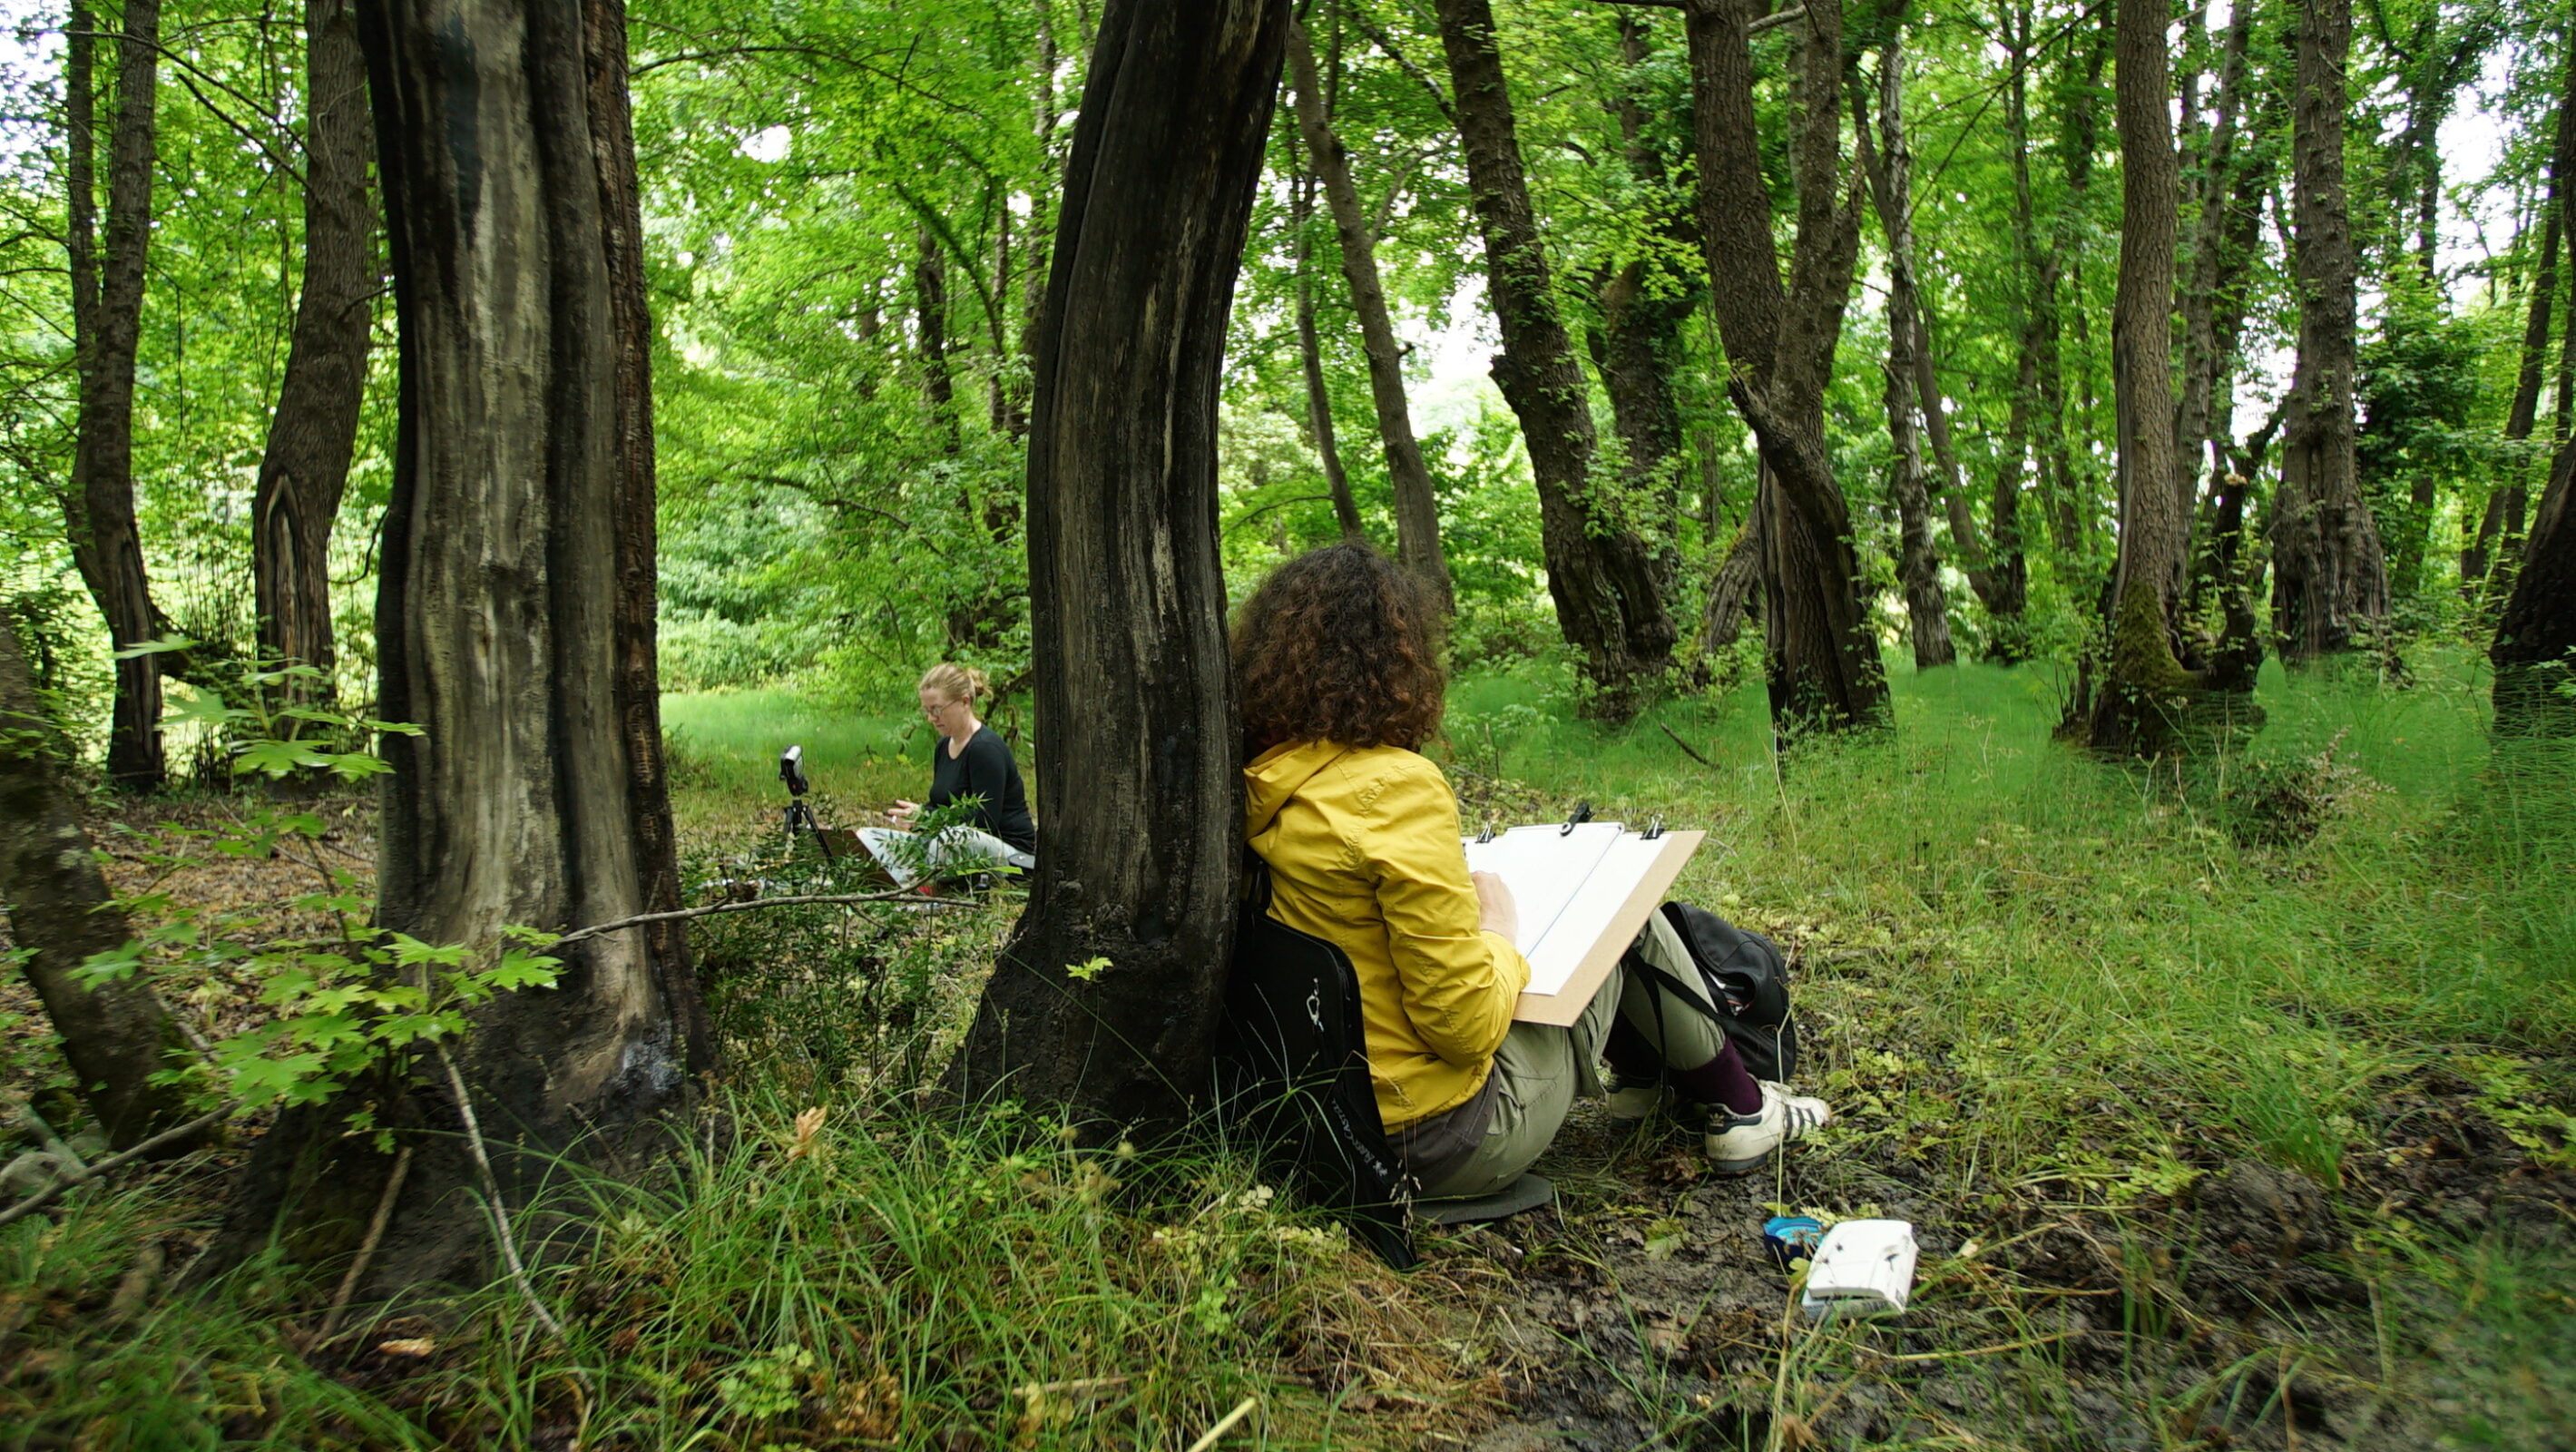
x=1600 y=572
x=314 y=431
x=1824 y=669
x=1135 y=707
x=515 y=624
x=107 y=319
x=1417 y=508
x=115 y=1035
x=2329 y=578
x=1731 y=592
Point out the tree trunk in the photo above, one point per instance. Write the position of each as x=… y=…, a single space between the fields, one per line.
x=1417 y=507
x=1824 y=668
x=1638 y=346
x=115 y=1035
x=515 y=626
x=2525 y=410
x=1127 y=595
x=930 y=337
x=314 y=431
x=2070 y=512
x=1601 y=574
x=1918 y=569
x=2535 y=642
x=2507 y=500
x=2008 y=638
x=1891 y=178
x=1731 y=592
x=1310 y=350
x=2329 y=579
x=2207 y=272
x=1891 y=186
x=2141 y=685
x=107 y=321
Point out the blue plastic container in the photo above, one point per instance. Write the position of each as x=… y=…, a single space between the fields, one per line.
x=1791 y=1237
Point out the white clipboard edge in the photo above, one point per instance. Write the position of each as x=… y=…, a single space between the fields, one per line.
x=1562 y=1008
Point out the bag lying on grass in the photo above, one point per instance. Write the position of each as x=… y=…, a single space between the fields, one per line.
x=1743 y=988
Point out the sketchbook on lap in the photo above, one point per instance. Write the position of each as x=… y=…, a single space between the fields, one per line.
x=1582 y=895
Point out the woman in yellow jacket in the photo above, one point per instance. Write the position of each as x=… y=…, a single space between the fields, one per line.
x=1340 y=683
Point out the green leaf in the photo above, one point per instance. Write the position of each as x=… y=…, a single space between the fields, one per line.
x=277 y=758
x=113 y=966
x=155 y=647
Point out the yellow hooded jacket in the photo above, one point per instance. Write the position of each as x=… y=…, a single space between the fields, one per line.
x=1364 y=853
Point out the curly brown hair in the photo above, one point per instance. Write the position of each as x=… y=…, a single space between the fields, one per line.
x=1337 y=645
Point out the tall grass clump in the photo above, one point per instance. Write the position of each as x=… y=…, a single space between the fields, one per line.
x=2037 y=966
x=822 y=1259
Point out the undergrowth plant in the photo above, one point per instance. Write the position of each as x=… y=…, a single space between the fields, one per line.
x=332 y=1010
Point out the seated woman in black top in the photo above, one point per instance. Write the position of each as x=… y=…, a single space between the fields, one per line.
x=967 y=761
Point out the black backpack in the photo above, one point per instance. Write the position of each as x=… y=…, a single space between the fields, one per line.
x=1744 y=988
x=1292 y=1069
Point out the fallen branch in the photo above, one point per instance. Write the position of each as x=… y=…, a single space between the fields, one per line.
x=1685 y=746
x=112 y=1163
x=799 y=900
x=367 y=1247
x=1242 y=1409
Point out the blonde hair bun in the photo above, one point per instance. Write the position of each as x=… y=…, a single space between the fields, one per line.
x=956 y=682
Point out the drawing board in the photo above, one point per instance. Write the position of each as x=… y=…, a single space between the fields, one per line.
x=1582 y=895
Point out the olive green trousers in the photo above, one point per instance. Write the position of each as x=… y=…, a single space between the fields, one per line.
x=1541 y=1069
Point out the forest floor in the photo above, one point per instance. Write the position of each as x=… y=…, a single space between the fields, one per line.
x=2229 y=1103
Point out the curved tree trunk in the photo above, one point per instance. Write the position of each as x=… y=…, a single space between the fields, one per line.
x=1731 y=592
x=515 y=626
x=1127 y=595
x=115 y=1035
x=1601 y=574
x=1824 y=667
x=1417 y=507
x=314 y=431
x=2329 y=578
x=107 y=322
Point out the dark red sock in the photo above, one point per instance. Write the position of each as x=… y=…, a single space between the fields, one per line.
x=1722 y=1080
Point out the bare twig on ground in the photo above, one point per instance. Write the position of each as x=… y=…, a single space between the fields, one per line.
x=1242 y=1409
x=799 y=900
x=367 y=1247
x=55 y=1191
x=1685 y=746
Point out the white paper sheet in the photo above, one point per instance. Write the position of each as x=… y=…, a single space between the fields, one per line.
x=1567 y=887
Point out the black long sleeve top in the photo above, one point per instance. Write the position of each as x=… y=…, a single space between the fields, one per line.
x=984 y=769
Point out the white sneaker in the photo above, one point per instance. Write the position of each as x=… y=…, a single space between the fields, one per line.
x=1632 y=1104
x=1742 y=1143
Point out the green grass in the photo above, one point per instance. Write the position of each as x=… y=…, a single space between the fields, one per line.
x=724 y=759
x=839 y=1274
x=2041 y=985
